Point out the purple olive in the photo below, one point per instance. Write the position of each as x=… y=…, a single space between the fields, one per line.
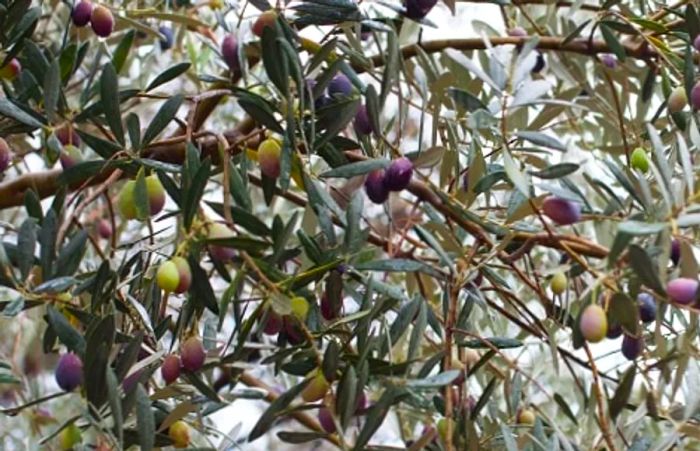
x=517 y=32
x=104 y=229
x=170 y=370
x=292 y=331
x=609 y=60
x=361 y=404
x=398 y=174
x=102 y=21
x=675 y=251
x=70 y=156
x=682 y=290
x=561 y=211
x=81 y=13
x=69 y=371
x=632 y=347
x=192 y=354
x=129 y=382
x=695 y=96
x=273 y=323
x=325 y=419
x=375 y=188
x=229 y=50
x=340 y=86
x=696 y=43
x=67 y=135
x=418 y=9
x=647 y=307
x=363 y=124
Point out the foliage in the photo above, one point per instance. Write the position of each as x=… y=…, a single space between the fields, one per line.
x=230 y=148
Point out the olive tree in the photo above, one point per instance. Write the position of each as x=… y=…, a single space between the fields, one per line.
x=375 y=229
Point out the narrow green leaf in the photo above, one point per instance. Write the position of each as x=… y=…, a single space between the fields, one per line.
x=623 y=392
x=144 y=419
x=612 y=41
x=109 y=98
x=645 y=268
x=168 y=74
x=52 y=89
x=165 y=114
x=355 y=169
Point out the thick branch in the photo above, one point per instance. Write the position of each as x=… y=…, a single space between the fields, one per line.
x=581 y=46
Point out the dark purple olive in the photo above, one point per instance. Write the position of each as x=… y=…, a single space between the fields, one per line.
x=81 y=13
x=69 y=371
x=273 y=323
x=632 y=347
x=398 y=174
x=539 y=63
x=375 y=188
x=647 y=307
x=168 y=36
x=675 y=251
x=292 y=331
x=614 y=330
x=328 y=310
x=695 y=96
x=418 y=9
x=229 y=51
x=682 y=290
x=340 y=86
x=561 y=211
x=363 y=124
x=325 y=419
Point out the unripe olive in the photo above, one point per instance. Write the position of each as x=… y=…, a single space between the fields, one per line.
x=695 y=96
x=526 y=416
x=639 y=160
x=340 y=86
x=104 y=229
x=229 y=51
x=5 y=155
x=70 y=437
x=127 y=206
x=192 y=354
x=375 y=188
x=561 y=211
x=81 y=13
x=316 y=389
x=593 y=323
x=269 y=158
x=102 y=21
x=70 y=156
x=216 y=230
x=418 y=9
x=156 y=194
x=677 y=100
x=273 y=323
x=264 y=20
x=11 y=70
x=69 y=371
x=632 y=347
x=184 y=272
x=179 y=434
x=442 y=428
x=647 y=307
x=325 y=419
x=398 y=174
x=682 y=290
x=300 y=308
x=558 y=283
x=170 y=370
x=168 y=277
